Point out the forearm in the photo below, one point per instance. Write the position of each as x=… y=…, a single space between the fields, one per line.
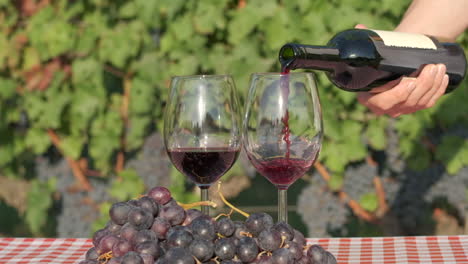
x=446 y=19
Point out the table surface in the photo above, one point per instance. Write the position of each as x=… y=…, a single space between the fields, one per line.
x=401 y=250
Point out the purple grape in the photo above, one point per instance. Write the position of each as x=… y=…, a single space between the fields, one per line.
x=203 y=228
x=160 y=195
x=179 y=238
x=282 y=256
x=147 y=259
x=133 y=203
x=225 y=248
x=172 y=202
x=202 y=249
x=115 y=260
x=264 y=260
x=175 y=215
x=330 y=258
x=148 y=247
x=132 y=258
x=294 y=249
x=98 y=235
x=119 y=212
x=285 y=230
x=179 y=256
x=257 y=222
x=128 y=232
x=143 y=236
x=121 y=248
x=149 y=205
x=160 y=227
x=299 y=238
x=303 y=260
x=247 y=249
x=269 y=240
x=317 y=254
x=92 y=254
x=178 y=228
x=140 y=219
x=191 y=214
x=240 y=229
x=113 y=228
x=225 y=226
x=106 y=244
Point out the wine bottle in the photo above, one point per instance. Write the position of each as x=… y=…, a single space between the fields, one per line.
x=364 y=59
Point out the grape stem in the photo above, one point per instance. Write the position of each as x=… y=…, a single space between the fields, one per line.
x=104 y=258
x=228 y=203
x=247 y=234
x=283 y=238
x=200 y=203
x=196 y=260
x=223 y=214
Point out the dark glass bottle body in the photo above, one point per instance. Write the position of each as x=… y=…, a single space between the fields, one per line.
x=360 y=60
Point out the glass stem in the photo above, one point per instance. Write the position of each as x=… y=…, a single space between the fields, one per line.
x=205 y=197
x=283 y=205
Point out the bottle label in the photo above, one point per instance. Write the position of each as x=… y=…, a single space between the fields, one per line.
x=405 y=40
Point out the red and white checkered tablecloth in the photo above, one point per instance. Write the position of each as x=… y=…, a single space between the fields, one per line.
x=387 y=250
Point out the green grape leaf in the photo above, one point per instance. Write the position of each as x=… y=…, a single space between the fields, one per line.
x=376 y=135
x=86 y=70
x=141 y=96
x=128 y=10
x=37 y=140
x=72 y=146
x=31 y=58
x=121 y=44
x=128 y=186
x=138 y=129
x=8 y=88
x=103 y=219
x=49 y=34
x=336 y=182
x=409 y=126
x=243 y=23
x=209 y=15
x=334 y=158
x=39 y=200
x=369 y=202
x=4 y=48
x=6 y=151
x=420 y=157
x=276 y=33
x=87 y=40
x=178 y=188
x=453 y=152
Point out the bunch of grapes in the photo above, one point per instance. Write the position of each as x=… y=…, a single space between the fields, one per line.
x=155 y=229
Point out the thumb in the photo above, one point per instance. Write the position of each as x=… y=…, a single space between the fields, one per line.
x=360 y=26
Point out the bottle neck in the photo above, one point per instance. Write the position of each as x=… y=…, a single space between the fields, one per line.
x=296 y=56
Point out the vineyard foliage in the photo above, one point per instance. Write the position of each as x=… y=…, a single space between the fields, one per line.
x=86 y=81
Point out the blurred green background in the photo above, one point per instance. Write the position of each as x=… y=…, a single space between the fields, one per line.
x=83 y=86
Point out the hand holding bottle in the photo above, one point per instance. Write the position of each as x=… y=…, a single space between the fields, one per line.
x=410 y=94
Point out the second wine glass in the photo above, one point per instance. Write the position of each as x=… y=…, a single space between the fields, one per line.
x=202 y=128
x=282 y=129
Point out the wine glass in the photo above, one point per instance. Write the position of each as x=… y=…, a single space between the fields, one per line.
x=202 y=128
x=282 y=128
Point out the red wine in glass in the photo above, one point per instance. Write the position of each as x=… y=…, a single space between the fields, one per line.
x=281 y=171
x=203 y=166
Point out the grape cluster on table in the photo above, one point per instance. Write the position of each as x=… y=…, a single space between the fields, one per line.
x=155 y=229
